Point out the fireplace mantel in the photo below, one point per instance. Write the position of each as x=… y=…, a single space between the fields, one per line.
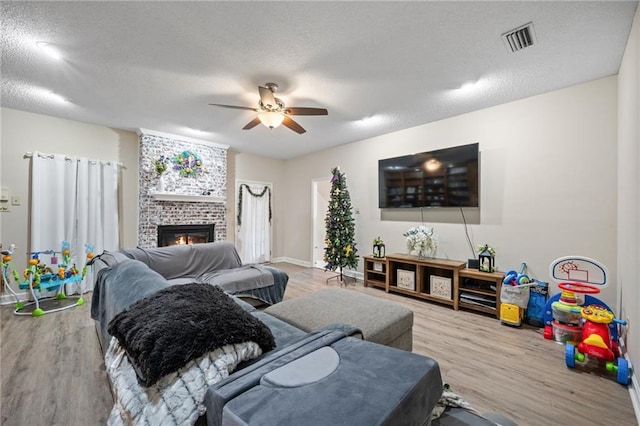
x=193 y=198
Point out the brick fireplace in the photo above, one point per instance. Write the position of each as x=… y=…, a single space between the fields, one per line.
x=185 y=201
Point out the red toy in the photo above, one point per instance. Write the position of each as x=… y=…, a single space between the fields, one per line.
x=599 y=342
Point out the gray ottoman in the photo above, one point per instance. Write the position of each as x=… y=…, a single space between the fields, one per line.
x=381 y=321
x=328 y=379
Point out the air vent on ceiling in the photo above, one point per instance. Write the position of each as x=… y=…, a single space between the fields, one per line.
x=519 y=38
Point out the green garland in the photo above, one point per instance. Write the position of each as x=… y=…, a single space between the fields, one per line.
x=264 y=191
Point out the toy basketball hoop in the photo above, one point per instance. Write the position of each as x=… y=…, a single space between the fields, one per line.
x=579 y=270
x=577 y=276
x=579 y=288
x=578 y=279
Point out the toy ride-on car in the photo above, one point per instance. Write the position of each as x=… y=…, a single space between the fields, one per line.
x=598 y=342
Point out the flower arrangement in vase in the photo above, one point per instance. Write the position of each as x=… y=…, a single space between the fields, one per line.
x=422 y=240
x=161 y=166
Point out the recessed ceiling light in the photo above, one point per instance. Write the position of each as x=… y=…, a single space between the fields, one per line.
x=369 y=120
x=56 y=97
x=49 y=49
x=471 y=87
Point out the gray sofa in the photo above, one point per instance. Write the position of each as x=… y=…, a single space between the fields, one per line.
x=342 y=373
x=216 y=263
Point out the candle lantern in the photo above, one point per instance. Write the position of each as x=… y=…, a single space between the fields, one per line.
x=378 y=248
x=486 y=259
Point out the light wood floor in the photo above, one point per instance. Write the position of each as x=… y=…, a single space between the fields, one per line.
x=53 y=374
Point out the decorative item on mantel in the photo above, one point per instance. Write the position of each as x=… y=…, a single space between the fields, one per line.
x=160 y=165
x=486 y=258
x=378 y=247
x=188 y=163
x=422 y=241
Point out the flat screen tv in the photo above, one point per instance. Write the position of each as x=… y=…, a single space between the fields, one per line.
x=442 y=178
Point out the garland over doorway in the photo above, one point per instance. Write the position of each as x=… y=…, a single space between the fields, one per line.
x=265 y=190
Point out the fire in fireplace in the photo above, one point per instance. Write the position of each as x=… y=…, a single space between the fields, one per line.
x=171 y=235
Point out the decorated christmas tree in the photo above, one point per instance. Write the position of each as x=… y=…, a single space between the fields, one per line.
x=340 y=250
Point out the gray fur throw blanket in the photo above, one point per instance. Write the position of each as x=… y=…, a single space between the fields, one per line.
x=166 y=330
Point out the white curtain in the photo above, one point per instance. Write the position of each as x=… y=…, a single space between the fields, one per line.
x=254 y=232
x=74 y=200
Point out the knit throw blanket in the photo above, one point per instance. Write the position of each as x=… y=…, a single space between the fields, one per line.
x=169 y=347
x=449 y=399
x=175 y=399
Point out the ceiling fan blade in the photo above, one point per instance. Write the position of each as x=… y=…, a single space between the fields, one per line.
x=305 y=111
x=288 y=122
x=267 y=98
x=235 y=107
x=253 y=123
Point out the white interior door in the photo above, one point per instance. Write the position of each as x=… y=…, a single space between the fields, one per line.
x=321 y=190
x=253 y=240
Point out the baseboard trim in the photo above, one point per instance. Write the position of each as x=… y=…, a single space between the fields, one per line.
x=8 y=299
x=304 y=263
x=634 y=391
x=291 y=260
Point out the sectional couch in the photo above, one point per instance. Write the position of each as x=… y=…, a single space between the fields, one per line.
x=325 y=376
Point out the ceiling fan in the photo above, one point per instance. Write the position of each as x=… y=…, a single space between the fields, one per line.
x=272 y=112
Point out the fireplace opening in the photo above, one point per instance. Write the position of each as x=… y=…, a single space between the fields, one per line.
x=171 y=235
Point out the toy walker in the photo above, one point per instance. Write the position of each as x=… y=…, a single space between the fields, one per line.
x=585 y=324
x=599 y=340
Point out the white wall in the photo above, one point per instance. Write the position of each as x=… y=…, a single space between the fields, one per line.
x=25 y=132
x=547 y=175
x=629 y=198
x=548 y=181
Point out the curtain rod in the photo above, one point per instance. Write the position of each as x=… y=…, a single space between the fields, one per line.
x=29 y=154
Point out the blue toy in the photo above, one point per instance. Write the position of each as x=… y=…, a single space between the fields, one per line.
x=514 y=278
x=514 y=296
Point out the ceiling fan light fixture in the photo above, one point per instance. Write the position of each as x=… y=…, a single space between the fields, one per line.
x=271 y=119
x=272 y=112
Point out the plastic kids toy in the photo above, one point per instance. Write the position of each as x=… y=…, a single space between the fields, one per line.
x=598 y=341
x=7 y=256
x=514 y=296
x=40 y=277
x=578 y=278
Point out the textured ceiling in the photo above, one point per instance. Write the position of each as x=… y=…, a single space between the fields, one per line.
x=377 y=67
